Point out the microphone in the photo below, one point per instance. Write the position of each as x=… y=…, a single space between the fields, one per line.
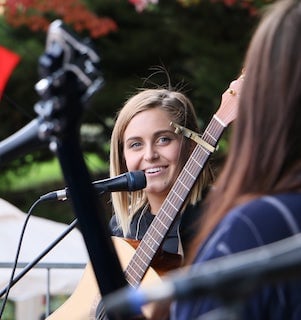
x=229 y=277
x=129 y=181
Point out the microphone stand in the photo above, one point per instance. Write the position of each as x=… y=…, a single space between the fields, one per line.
x=64 y=97
x=70 y=76
x=91 y=217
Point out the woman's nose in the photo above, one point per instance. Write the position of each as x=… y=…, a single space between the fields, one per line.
x=151 y=154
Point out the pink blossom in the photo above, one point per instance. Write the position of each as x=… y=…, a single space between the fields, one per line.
x=140 y=5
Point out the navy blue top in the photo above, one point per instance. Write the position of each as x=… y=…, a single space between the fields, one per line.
x=259 y=222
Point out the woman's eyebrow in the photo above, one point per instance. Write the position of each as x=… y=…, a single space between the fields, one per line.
x=156 y=133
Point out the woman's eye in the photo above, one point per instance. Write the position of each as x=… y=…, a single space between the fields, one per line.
x=134 y=145
x=164 y=139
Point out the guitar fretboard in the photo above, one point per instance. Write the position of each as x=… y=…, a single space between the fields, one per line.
x=162 y=222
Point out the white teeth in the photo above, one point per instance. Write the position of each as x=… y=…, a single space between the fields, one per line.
x=152 y=170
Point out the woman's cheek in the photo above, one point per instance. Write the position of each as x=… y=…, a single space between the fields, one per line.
x=130 y=161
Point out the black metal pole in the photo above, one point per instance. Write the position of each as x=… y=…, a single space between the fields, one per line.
x=91 y=218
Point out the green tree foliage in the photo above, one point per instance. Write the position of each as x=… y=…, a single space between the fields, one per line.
x=37 y=14
x=200 y=44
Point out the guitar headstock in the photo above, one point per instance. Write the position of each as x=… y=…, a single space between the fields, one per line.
x=227 y=111
x=70 y=76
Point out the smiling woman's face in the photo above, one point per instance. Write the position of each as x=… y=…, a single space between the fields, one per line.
x=151 y=145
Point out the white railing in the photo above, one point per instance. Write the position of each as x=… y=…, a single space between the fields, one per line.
x=41 y=265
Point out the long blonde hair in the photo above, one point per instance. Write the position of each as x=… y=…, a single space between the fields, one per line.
x=182 y=112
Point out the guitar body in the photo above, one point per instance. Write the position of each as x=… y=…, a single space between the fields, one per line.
x=82 y=304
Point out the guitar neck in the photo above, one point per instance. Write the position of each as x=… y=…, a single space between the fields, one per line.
x=162 y=222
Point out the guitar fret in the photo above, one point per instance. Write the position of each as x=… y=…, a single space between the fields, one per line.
x=142 y=261
x=150 y=242
x=197 y=162
x=155 y=235
x=205 y=150
x=211 y=136
x=157 y=228
x=219 y=120
x=134 y=282
x=171 y=204
x=214 y=130
x=141 y=265
x=133 y=271
x=145 y=253
x=154 y=240
x=192 y=176
x=166 y=214
x=183 y=184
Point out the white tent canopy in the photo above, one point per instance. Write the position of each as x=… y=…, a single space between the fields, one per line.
x=39 y=234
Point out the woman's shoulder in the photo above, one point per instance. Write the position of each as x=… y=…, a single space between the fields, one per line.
x=280 y=206
x=274 y=213
x=258 y=222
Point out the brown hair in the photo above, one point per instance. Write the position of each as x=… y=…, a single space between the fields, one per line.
x=265 y=152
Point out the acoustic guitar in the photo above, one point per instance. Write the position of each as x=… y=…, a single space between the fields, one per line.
x=137 y=263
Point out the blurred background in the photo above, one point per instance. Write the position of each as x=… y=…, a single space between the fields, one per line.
x=196 y=45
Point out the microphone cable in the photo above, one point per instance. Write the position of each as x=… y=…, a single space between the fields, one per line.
x=29 y=266
x=11 y=280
